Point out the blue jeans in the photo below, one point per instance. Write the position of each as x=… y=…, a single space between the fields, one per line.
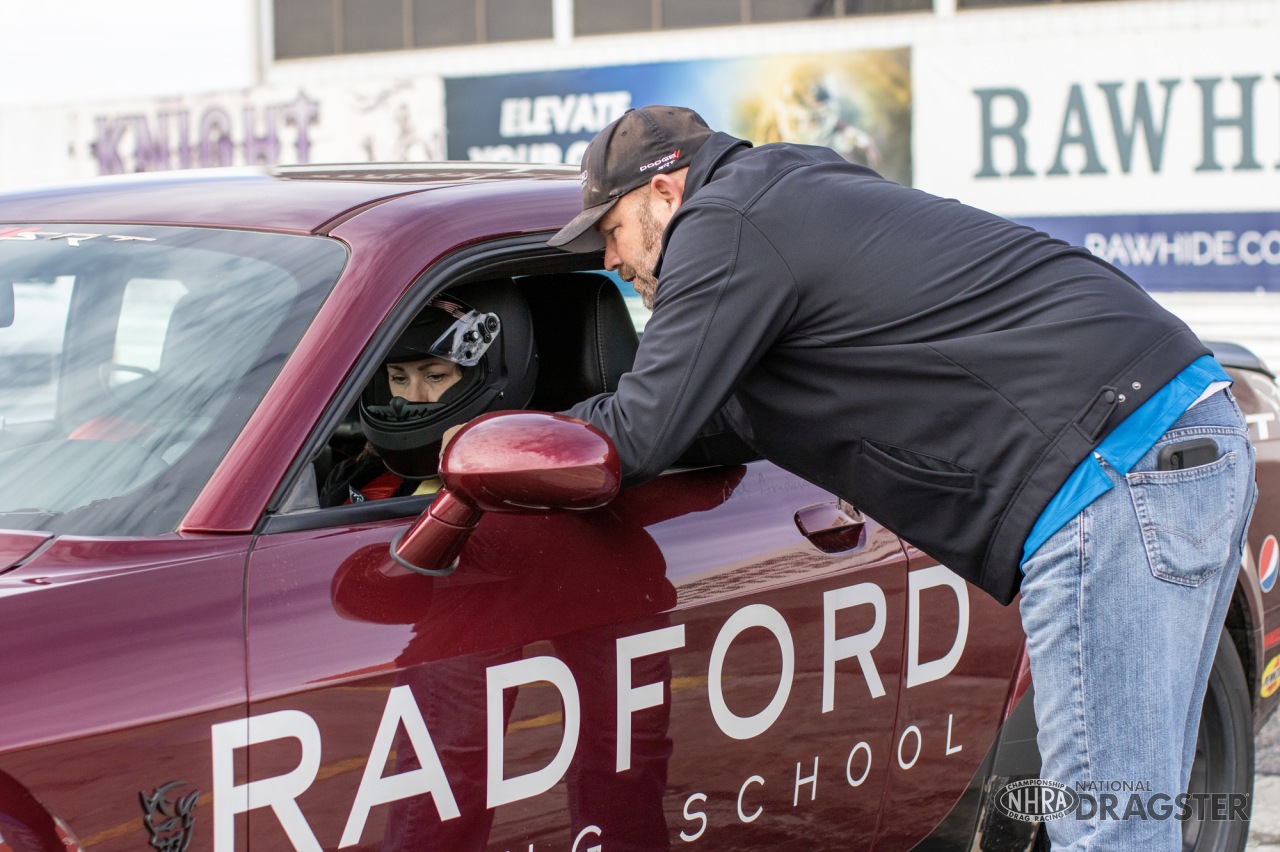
x=1122 y=609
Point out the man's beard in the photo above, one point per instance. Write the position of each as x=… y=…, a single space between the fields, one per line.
x=642 y=278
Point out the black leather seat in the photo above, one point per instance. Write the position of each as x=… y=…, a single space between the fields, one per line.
x=586 y=338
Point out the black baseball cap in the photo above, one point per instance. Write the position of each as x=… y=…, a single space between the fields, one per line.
x=622 y=157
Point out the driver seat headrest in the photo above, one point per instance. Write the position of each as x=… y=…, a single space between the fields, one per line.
x=586 y=338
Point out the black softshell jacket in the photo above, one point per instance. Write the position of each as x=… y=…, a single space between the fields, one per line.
x=940 y=367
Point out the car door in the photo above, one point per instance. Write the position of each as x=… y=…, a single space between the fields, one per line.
x=757 y=677
x=683 y=665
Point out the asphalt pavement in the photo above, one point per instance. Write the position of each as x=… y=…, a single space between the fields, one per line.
x=1264 y=828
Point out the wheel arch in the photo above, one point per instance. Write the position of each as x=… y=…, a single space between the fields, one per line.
x=1244 y=625
x=24 y=822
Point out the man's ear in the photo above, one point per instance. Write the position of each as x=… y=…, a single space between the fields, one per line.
x=669 y=188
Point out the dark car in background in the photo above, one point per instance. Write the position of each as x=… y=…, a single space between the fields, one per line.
x=198 y=652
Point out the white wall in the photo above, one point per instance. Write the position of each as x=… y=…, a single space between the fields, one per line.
x=97 y=78
x=1211 y=141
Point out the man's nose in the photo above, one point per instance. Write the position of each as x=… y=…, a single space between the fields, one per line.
x=611 y=259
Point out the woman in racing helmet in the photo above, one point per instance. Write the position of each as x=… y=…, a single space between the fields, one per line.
x=470 y=350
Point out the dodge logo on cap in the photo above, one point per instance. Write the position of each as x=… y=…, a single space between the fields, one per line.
x=622 y=157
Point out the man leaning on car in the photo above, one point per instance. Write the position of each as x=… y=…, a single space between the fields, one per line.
x=1013 y=406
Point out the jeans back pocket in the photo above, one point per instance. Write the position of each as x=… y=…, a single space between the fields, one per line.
x=1189 y=517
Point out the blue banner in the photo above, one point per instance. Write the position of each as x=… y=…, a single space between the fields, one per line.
x=1180 y=251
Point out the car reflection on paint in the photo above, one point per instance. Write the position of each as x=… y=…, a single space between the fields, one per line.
x=201 y=653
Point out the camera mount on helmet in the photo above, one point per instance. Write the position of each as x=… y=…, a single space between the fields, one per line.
x=465 y=342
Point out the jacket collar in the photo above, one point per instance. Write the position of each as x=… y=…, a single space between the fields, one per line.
x=717 y=148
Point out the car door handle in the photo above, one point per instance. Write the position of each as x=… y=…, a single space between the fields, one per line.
x=832 y=527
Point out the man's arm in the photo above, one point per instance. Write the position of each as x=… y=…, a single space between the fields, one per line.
x=725 y=439
x=724 y=298
x=722 y=440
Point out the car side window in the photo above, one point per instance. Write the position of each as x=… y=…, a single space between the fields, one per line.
x=467 y=350
x=557 y=339
x=562 y=337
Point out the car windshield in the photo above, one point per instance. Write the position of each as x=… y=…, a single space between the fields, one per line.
x=130 y=359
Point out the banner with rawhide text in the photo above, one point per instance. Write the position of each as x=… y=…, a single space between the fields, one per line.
x=1061 y=124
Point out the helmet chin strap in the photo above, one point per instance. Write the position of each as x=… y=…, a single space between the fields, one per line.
x=400 y=408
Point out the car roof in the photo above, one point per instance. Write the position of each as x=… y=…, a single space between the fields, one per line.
x=300 y=199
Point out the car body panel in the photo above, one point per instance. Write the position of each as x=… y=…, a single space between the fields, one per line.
x=334 y=639
x=265 y=676
x=1259 y=399
x=87 y=738
x=16 y=546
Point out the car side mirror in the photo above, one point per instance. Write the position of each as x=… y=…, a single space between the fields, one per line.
x=509 y=461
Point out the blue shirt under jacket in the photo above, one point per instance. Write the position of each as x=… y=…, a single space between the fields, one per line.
x=1123 y=447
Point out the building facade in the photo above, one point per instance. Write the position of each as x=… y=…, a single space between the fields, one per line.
x=1146 y=130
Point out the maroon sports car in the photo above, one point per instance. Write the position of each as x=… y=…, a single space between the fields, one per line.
x=208 y=646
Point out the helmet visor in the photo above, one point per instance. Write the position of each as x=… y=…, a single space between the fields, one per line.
x=470 y=335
